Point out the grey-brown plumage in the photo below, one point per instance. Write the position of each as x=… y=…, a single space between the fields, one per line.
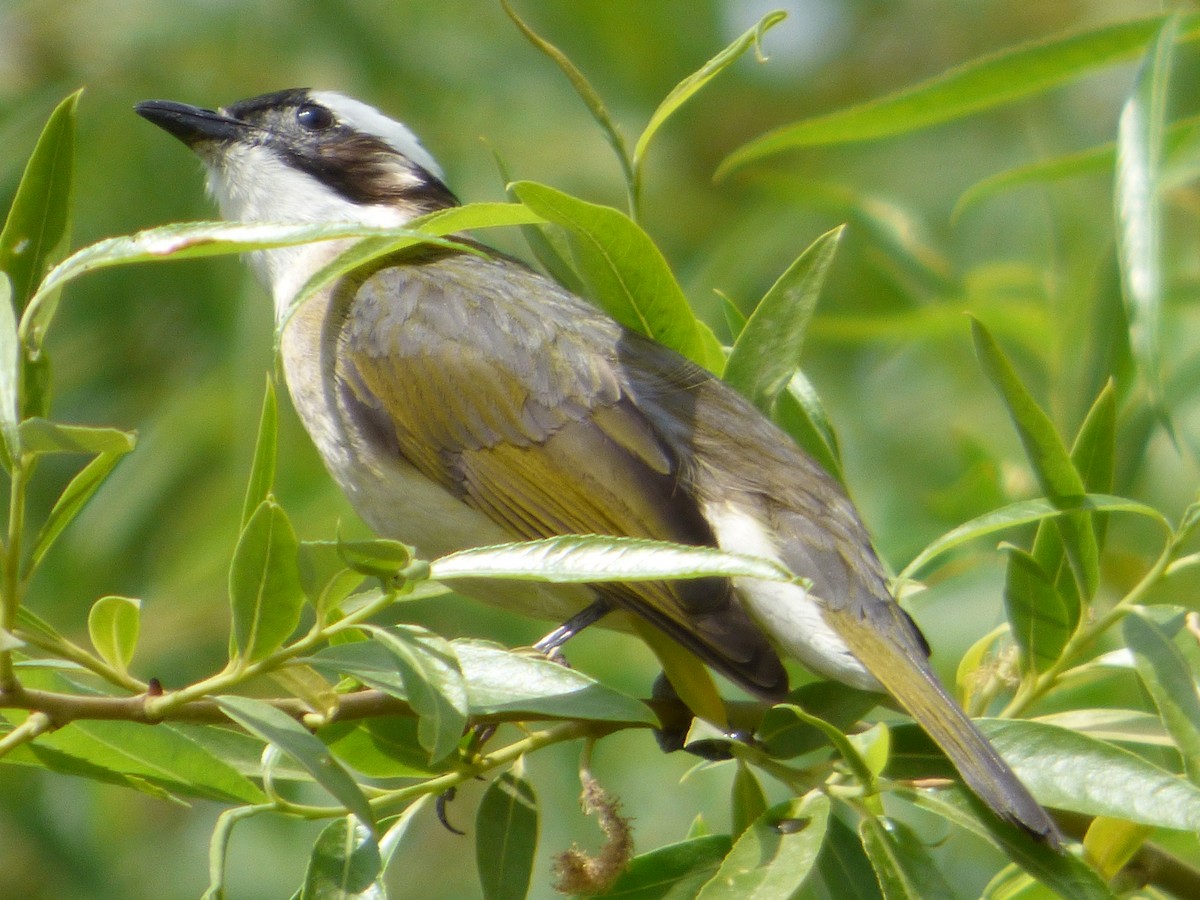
x=461 y=398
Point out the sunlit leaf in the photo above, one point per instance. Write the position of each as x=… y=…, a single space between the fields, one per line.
x=1040 y=621
x=70 y=503
x=10 y=374
x=38 y=228
x=1110 y=843
x=775 y=856
x=113 y=625
x=746 y=799
x=506 y=836
x=264 y=583
x=980 y=84
x=44 y=436
x=767 y=351
x=629 y=276
x=1170 y=683
x=599 y=558
x=1140 y=136
x=282 y=731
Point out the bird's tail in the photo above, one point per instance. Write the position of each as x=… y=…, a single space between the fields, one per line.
x=914 y=685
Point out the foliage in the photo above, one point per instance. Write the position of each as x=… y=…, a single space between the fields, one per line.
x=347 y=718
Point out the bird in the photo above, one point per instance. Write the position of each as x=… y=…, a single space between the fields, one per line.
x=461 y=399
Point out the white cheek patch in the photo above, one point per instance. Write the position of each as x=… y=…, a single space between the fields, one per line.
x=786 y=612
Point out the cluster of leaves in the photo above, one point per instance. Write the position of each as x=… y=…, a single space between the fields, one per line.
x=385 y=720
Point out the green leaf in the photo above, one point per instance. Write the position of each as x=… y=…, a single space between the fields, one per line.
x=673 y=872
x=70 y=502
x=628 y=275
x=1025 y=512
x=471 y=216
x=767 y=352
x=379 y=558
x=185 y=240
x=583 y=88
x=326 y=580
x=1048 y=457
x=1041 y=624
x=964 y=90
x=10 y=375
x=1061 y=872
x=506 y=836
x=800 y=413
x=345 y=864
x=844 y=866
x=1128 y=726
x=113 y=625
x=1170 y=683
x=499 y=682
x=281 y=730
x=43 y=436
x=747 y=800
x=433 y=685
x=1140 y=138
x=38 y=228
x=691 y=85
x=264 y=583
x=266 y=450
x=1110 y=843
x=598 y=558
x=901 y=862
x=776 y=855
x=783 y=735
x=1072 y=771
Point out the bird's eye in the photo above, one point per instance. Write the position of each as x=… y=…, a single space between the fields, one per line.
x=314 y=117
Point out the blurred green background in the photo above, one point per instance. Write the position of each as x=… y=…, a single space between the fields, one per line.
x=178 y=351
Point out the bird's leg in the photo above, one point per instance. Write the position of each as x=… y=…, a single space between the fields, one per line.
x=589 y=615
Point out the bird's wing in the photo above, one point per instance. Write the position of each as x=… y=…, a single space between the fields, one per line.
x=508 y=392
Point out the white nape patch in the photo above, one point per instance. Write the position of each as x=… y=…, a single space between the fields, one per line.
x=788 y=614
x=252 y=184
x=369 y=120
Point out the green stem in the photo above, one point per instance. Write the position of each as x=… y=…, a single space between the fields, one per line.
x=10 y=585
x=64 y=649
x=218 y=847
x=36 y=724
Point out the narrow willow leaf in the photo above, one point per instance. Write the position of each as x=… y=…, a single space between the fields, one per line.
x=775 y=856
x=901 y=863
x=186 y=240
x=747 y=800
x=599 y=558
x=783 y=735
x=506 y=836
x=1047 y=456
x=691 y=85
x=281 y=730
x=1072 y=771
x=1025 y=512
x=1061 y=872
x=1092 y=161
x=628 y=275
x=266 y=449
x=345 y=864
x=980 y=84
x=113 y=625
x=264 y=583
x=1040 y=622
x=38 y=228
x=1170 y=683
x=583 y=88
x=379 y=558
x=843 y=865
x=433 y=685
x=675 y=871
x=767 y=352
x=499 y=682
x=73 y=499
x=10 y=375
x=1126 y=726
x=44 y=436
x=1140 y=136
x=472 y=216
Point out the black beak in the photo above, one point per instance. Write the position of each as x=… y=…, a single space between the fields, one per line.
x=192 y=124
